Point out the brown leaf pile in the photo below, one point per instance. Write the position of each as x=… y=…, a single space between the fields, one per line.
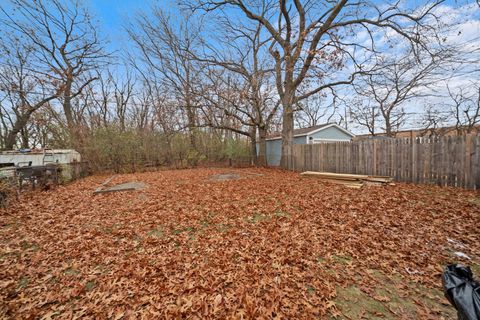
x=263 y=246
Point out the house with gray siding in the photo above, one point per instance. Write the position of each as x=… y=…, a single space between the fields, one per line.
x=328 y=132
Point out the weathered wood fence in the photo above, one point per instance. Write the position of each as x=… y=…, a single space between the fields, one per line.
x=445 y=161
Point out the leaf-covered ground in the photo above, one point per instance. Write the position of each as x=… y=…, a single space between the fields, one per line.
x=270 y=245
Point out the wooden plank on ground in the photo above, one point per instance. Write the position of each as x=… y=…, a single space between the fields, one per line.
x=105 y=183
x=352 y=184
x=343 y=176
x=332 y=175
x=113 y=190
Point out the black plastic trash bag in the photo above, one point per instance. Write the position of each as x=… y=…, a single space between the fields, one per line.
x=462 y=291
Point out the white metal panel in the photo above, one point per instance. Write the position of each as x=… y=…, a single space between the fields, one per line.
x=59 y=156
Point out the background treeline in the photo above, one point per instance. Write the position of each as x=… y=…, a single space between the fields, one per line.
x=206 y=81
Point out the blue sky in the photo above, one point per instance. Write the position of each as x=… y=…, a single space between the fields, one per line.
x=114 y=15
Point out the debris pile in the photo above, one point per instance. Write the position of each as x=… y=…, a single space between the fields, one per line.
x=349 y=180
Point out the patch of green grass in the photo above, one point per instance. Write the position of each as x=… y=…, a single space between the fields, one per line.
x=387 y=301
x=29 y=246
x=108 y=229
x=101 y=269
x=355 y=304
x=23 y=283
x=207 y=221
x=71 y=271
x=474 y=200
x=258 y=217
x=342 y=259
x=53 y=280
x=90 y=285
x=138 y=239
x=187 y=229
x=210 y=215
x=222 y=227
x=310 y=289
x=476 y=270
x=156 y=232
x=282 y=214
x=297 y=208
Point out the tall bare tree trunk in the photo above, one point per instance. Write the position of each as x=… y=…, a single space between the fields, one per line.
x=262 y=152
x=67 y=106
x=25 y=138
x=73 y=128
x=287 y=120
x=191 y=128
x=190 y=119
x=287 y=137
x=19 y=124
x=253 y=145
x=388 y=126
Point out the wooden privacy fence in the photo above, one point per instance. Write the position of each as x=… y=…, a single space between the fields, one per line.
x=445 y=161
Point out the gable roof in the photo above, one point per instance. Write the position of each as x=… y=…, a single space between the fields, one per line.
x=413 y=133
x=306 y=131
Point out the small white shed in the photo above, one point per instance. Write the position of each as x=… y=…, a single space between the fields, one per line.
x=67 y=159
x=38 y=157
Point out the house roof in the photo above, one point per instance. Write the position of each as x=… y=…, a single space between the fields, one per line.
x=412 y=133
x=37 y=151
x=306 y=131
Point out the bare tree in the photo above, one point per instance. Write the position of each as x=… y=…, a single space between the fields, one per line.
x=143 y=111
x=156 y=109
x=313 y=110
x=365 y=115
x=107 y=101
x=164 y=45
x=243 y=53
x=99 y=111
x=123 y=92
x=226 y=107
x=464 y=108
x=393 y=83
x=311 y=38
x=41 y=128
x=24 y=89
x=433 y=121
x=66 y=43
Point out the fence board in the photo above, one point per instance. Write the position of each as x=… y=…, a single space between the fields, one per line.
x=476 y=163
x=446 y=161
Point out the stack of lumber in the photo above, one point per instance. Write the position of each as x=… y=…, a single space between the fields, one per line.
x=349 y=180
